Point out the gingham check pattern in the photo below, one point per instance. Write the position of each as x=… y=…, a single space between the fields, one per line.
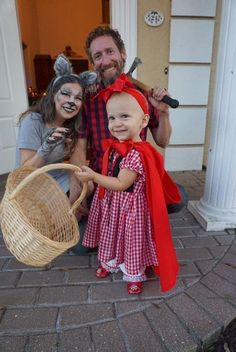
x=120 y=224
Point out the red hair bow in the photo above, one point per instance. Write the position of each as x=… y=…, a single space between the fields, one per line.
x=123 y=84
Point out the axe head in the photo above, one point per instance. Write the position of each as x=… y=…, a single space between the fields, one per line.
x=137 y=61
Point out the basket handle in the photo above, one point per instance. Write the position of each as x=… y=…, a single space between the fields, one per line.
x=47 y=168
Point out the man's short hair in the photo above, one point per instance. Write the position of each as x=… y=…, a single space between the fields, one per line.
x=99 y=32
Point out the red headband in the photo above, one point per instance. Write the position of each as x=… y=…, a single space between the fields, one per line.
x=123 y=84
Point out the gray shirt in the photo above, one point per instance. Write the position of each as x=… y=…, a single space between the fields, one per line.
x=31 y=135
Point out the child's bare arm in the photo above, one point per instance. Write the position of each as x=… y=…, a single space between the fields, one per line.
x=123 y=181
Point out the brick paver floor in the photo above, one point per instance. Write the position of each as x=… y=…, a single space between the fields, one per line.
x=65 y=308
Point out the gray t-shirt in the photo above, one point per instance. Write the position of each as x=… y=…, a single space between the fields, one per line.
x=31 y=135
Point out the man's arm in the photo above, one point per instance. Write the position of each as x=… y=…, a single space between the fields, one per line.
x=162 y=133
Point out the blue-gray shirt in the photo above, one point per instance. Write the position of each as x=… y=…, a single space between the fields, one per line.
x=31 y=135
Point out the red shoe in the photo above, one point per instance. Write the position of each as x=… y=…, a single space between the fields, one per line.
x=101 y=272
x=134 y=288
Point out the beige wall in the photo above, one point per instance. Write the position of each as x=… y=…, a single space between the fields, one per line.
x=153 y=47
x=153 y=43
x=48 y=26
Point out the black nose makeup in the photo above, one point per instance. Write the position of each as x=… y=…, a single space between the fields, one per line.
x=71 y=103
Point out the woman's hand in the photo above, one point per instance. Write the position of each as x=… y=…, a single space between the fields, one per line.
x=59 y=135
x=52 y=139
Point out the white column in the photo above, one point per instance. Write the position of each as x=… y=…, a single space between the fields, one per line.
x=217 y=208
x=124 y=19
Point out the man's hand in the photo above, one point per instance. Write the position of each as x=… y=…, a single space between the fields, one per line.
x=161 y=135
x=155 y=96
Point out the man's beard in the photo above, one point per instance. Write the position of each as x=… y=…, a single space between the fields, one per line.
x=109 y=80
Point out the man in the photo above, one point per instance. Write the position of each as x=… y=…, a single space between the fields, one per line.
x=106 y=52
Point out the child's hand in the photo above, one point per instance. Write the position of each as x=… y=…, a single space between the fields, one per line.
x=86 y=174
x=155 y=96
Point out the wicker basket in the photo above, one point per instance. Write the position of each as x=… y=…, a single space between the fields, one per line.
x=37 y=219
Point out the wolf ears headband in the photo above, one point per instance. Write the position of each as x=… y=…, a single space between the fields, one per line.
x=63 y=67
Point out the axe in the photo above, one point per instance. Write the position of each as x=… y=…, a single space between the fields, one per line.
x=166 y=99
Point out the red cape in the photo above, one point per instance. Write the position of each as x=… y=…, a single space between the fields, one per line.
x=160 y=190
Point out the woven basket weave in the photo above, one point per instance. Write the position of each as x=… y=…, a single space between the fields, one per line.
x=37 y=219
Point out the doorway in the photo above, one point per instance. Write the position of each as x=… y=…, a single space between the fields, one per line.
x=49 y=28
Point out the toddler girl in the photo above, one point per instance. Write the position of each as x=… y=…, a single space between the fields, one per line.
x=128 y=219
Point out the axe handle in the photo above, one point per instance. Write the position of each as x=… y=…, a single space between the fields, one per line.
x=140 y=84
x=173 y=103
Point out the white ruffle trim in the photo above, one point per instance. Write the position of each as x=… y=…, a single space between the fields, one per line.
x=112 y=267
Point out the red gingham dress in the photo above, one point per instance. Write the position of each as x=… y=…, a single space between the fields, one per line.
x=120 y=223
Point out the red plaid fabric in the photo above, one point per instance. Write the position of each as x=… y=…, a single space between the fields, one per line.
x=120 y=223
x=94 y=127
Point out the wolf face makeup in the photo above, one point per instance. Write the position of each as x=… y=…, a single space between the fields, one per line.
x=68 y=100
x=69 y=97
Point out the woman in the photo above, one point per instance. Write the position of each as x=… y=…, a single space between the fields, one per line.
x=47 y=130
